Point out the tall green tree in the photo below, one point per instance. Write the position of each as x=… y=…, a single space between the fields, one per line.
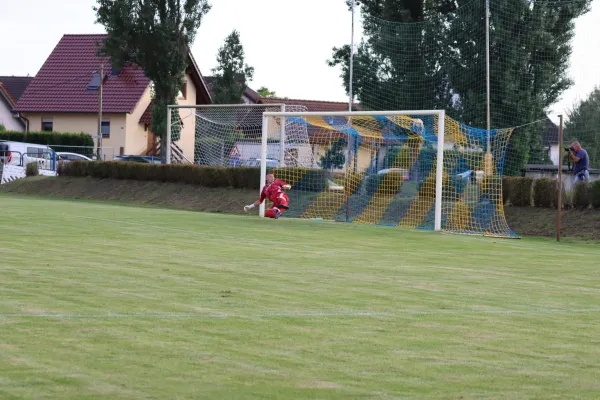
x=583 y=125
x=231 y=72
x=430 y=54
x=155 y=35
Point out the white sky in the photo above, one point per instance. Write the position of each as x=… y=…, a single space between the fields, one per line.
x=287 y=42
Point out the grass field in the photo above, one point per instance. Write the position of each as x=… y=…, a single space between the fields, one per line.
x=101 y=301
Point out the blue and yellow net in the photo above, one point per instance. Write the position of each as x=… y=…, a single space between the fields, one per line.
x=382 y=170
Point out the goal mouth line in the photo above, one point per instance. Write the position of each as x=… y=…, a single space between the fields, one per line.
x=298 y=315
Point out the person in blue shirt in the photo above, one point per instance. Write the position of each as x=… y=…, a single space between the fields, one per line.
x=581 y=161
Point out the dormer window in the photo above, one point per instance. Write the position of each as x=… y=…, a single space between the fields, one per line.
x=94 y=82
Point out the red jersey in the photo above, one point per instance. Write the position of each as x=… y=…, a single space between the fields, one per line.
x=273 y=191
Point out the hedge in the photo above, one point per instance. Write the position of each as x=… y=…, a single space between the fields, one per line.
x=581 y=195
x=545 y=193
x=209 y=176
x=595 y=194
x=519 y=190
x=49 y=138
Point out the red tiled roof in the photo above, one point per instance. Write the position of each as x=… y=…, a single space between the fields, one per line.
x=61 y=84
x=146 y=117
x=15 y=85
x=311 y=105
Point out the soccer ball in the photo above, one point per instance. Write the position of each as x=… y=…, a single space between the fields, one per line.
x=416 y=125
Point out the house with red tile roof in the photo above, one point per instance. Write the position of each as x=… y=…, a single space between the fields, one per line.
x=64 y=97
x=11 y=90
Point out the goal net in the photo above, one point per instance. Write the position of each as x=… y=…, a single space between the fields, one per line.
x=414 y=169
x=231 y=135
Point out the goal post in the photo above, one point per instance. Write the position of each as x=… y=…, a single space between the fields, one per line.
x=412 y=169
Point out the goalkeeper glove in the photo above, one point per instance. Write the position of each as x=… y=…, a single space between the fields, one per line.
x=286 y=187
x=246 y=208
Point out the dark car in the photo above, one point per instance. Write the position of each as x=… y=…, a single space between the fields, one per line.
x=141 y=159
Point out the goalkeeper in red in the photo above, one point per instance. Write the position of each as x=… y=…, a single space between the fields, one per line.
x=274 y=190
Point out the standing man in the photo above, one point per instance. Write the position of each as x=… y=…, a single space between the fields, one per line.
x=581 y=160
x=274 y=191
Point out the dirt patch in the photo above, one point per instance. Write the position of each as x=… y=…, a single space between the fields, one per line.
x=531 y=221
x=527 y=221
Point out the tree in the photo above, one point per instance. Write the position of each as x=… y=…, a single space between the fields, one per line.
x=265 y=92
x=334 y=156
x=2 y=128
x=583 y=125
x=231 y=72
x=155 y=35
x=430 y=54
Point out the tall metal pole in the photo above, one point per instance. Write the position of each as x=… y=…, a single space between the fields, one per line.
x=487 y=71
x=559 y=183
x=99 y=150
x=350 y=93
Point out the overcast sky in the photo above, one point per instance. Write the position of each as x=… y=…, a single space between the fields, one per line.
x=287 y=42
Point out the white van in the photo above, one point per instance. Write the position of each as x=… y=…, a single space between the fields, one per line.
x=20 y=153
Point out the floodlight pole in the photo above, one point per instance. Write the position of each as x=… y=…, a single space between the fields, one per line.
x=350 y=78
x=559 y=183
x=487 y=72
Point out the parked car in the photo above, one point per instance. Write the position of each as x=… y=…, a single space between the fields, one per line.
x=141 y=159
x=64 y=156
x=255 y=162
x=21 y=153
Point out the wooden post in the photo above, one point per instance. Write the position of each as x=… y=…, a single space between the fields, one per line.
x=559 y=183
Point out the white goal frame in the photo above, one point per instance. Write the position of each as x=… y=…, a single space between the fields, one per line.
x=440 y=146
x=170 y=109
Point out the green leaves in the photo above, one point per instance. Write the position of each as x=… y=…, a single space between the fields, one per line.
x=156 y=36
x=231 y=72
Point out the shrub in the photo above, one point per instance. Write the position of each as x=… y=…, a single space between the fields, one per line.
x=508 y=183
x=544 y=193
x=49 y=138
x=595 y=193
x=581 y=195
x=202 y=175
x=521 y=191
x=32 y=169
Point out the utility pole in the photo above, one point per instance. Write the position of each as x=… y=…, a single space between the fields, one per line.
x=99 y=150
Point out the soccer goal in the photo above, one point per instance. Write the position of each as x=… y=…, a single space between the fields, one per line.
x=411 y=169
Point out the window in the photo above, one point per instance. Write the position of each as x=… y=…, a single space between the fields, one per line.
x=105 y=128
x=47 y=125
x=183 y=92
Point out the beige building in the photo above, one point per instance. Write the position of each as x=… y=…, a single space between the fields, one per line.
x=65 y=97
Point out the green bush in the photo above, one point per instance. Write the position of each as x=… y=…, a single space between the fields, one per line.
x=49 y=138
x=202 y=175
x=595 y=194
x=508 y=183
x=581 y=195
x=32 y=169
x=521 y=191
x=544 y=193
